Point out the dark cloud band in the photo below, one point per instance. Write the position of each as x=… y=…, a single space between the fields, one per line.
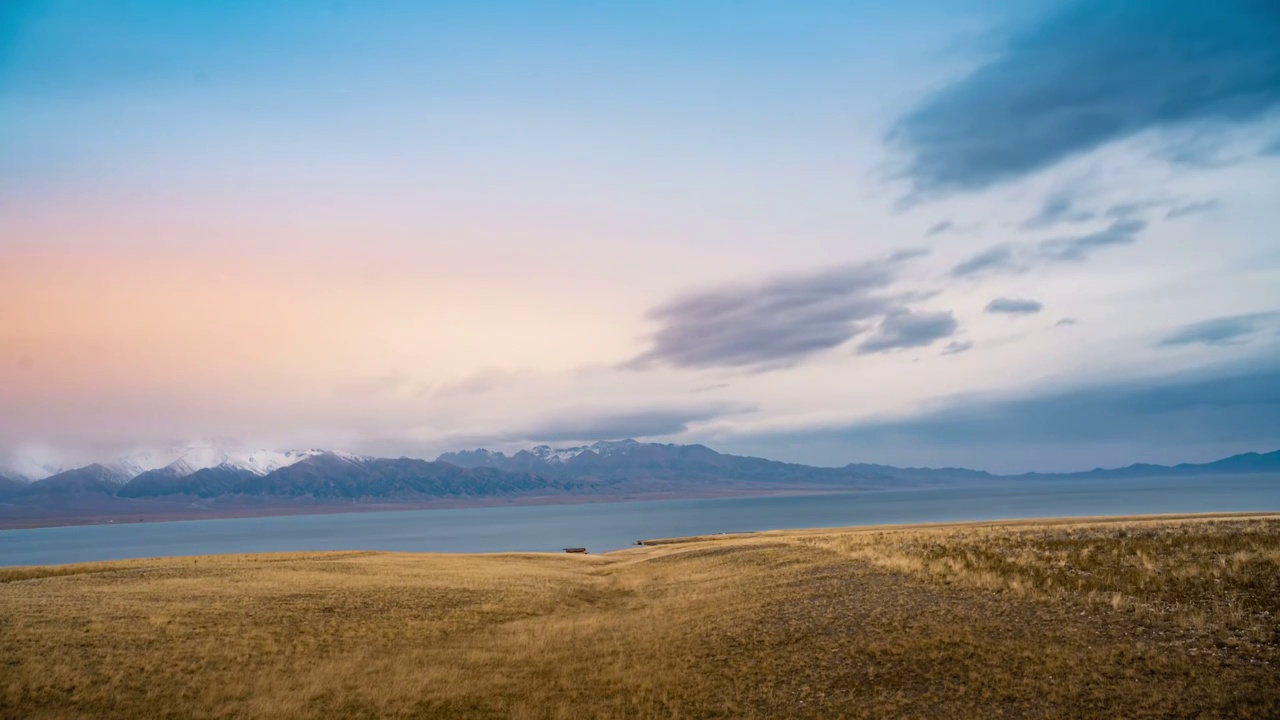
x=1093 y=73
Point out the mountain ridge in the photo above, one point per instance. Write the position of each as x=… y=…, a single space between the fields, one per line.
x=185 y=459
x=623 y=467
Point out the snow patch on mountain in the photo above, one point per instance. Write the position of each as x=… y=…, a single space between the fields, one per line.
x=183 y=460
x=263 y=462
x=614 y=447
x=546 y=453
x=139 y=461
x=603 y=447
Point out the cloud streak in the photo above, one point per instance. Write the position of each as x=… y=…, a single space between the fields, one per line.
x=1178 y=211
x=1078 y=247
x=1060 y=207
x=1236 y=403
x=1072 y=248
x=994 y=259
x=904 y=328
x=1231 y=330
x=644 y=423
x=1090 y=74
x=780 y=322
x=939 y=228
x=1013 y=306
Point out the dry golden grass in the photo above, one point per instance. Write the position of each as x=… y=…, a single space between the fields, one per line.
x=1157 y=618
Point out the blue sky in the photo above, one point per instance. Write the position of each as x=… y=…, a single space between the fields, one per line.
x=911 y=232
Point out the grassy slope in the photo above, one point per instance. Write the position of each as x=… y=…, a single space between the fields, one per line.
x=1162 y=618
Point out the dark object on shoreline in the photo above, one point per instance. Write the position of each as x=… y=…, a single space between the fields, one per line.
x=575 y=550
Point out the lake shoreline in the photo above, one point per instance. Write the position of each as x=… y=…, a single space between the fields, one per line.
x=607 y=523
x=957 y=524
x=166 y=511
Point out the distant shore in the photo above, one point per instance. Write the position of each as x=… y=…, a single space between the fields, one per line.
x=128 y=512
x=1039 y=522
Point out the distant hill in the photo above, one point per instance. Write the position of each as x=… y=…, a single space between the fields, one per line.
x=91 y=479
x=1245 y=463
x=205 y=482
x=629 y=461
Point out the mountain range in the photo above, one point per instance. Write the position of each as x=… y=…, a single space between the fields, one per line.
x=624 y=467
x=180 y=460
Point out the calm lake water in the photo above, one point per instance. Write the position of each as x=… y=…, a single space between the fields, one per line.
x=610 y=526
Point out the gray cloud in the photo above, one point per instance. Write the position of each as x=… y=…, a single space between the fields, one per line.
x=1064 y=322
x=1014 y=306
x=907 y=329
x=1019 y=258
x=1221 y=403
x=999 y=257
x=1060 y=207
x=777 y=323
x=610 y=426
x=1204 y=150
x=1119 y=232
x=952 y=227
x=955 y=347
x=1094 y=72
x=1129 y=209
x=908 y=254
x=1207 y=413
x=1174 y=209
x=1192 y=208
x=1230 y=330
x=939 y=228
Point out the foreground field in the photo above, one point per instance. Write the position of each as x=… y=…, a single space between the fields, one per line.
x=1161 y=618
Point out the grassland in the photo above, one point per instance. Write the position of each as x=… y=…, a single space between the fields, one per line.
x=1130 y=618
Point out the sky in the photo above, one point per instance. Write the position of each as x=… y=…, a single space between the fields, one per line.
x=1005 y=235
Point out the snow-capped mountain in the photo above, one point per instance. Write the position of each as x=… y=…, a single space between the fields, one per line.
x=140 y=461
x=258 y=462
x=619 y=467
x=614 y=447
x=547 y=453
x=173 y=461
x=262 y=462
x=183 y=460
x=481 y=457
x=603 y=447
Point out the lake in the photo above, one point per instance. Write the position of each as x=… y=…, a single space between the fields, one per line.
x=609 y=526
